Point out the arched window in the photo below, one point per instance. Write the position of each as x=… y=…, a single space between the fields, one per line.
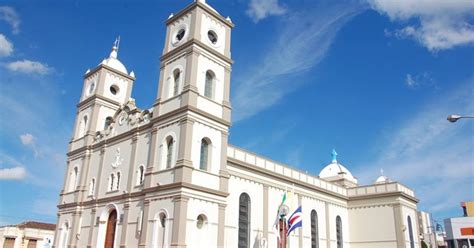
x=203 y=163
x=169 y=151
x=314 y=230
x=244 y=221
x=201 y=221
x=118 y=181
x=92 y=187
x=63 y=238
x=83 y=126
x=209 y=84
x=160 y=231
x=339 y=232
x=176 y=79
x=140 y=175
x=111 y=182
x=108 y=122
x=410 y=232
x=74 y=175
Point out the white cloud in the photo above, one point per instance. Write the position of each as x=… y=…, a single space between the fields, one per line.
x=27 y=139
x=9 y=15
x=430 y=154
x=29 y=67
x=419 y=80
x=6 y=47
x=260 y=9
x=15 y=173
x=294 y=51
x=441 y=24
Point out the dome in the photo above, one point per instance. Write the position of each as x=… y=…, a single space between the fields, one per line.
x=113 y=62
x=336 y=170
x=382 y=179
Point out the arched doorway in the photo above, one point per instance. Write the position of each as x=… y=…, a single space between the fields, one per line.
x=110 y=233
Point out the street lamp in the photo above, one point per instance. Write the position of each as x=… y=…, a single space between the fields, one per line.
x=454 y=118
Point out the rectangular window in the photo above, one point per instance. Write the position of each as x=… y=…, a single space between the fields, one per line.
x=31 y=243
x=9 y=243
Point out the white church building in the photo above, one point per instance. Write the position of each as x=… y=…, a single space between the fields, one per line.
x=166 y=176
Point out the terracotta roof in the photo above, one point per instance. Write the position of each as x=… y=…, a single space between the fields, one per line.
x=37 y=225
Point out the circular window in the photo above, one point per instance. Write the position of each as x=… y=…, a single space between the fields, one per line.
x=201 y=221
x=212 y=36
x=114 y=89
x=180 y=35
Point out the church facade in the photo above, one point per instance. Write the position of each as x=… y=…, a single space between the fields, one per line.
x=167 y=177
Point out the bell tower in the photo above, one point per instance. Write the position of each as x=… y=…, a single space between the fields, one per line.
x=106 y=87
x=195 y=66
x=194 y=99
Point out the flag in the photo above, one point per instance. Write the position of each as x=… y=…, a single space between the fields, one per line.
x=277 y=218
x=295 y=220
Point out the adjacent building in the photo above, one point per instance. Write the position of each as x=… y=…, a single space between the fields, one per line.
x=460 y=230
x=30 y=234
x=166 y=176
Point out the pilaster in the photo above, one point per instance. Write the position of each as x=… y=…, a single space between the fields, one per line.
x=328 y=226
x=180 y=215
x=83 y=175
x=144 y=233
x=265 y=213
x=101 y=168
x=151 y=157
x=74 y=237
x=91 y=229
x=184 y=164
x=221 y=226
x=397 y=214
x=123 y=235
x=133 y=163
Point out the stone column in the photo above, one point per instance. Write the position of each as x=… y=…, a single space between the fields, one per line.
x=180 y=214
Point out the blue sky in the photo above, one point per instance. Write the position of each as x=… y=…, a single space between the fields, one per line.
x=373 y=79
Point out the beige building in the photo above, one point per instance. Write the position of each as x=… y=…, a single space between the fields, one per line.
x=29 y=234
x=166 y=176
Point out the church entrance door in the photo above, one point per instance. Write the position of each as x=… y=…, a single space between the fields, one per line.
x=110 y=233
